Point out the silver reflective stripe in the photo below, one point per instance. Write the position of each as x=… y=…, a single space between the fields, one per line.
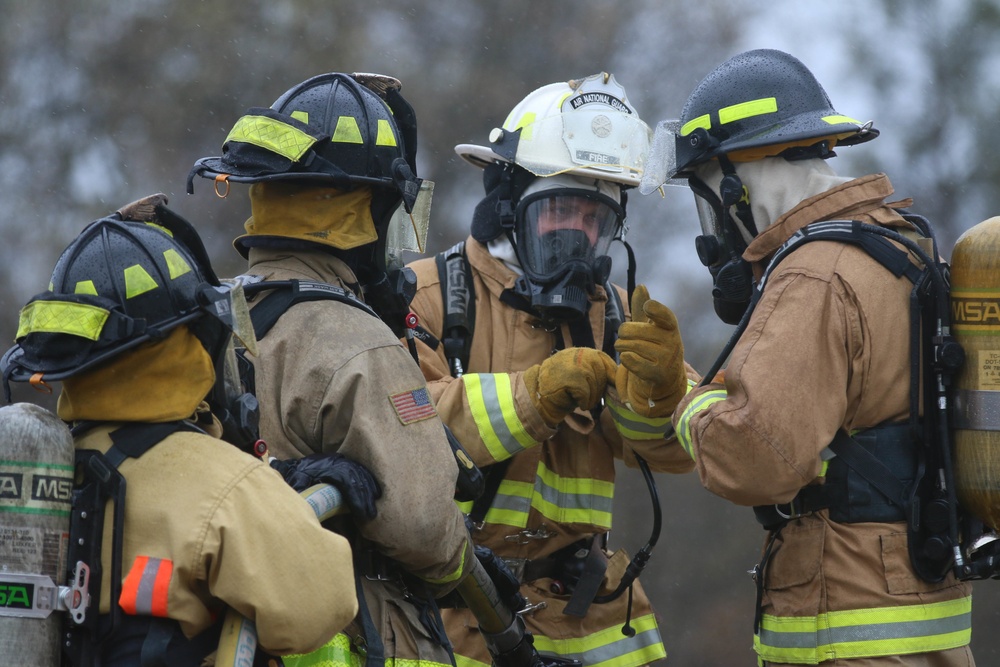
x=977 y=410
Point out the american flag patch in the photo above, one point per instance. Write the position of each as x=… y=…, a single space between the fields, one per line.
x=413 y=406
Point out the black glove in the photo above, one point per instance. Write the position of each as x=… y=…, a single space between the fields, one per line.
x=508 y=587
x=357 y=486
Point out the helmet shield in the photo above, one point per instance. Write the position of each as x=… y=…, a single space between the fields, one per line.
x=408 y=231
x=559 y=228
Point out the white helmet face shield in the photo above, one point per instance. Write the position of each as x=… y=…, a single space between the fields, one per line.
x=556 y=229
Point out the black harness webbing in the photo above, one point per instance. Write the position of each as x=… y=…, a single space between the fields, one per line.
x=287 y=293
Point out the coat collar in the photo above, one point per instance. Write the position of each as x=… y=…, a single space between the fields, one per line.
x=861 y=198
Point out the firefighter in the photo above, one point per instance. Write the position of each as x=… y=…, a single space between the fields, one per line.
x=331 y=163
x=135 y=325
x=518 y=333
x=836 y=584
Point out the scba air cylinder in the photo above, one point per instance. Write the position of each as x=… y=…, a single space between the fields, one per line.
x=975 y=305
x=36 y=485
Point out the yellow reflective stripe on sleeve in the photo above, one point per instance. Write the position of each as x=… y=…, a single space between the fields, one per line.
x=175 y=263
x=609 y=647
x=634 y=426
x=865 y=633
x=65 y=317
x=838 y=120
x=491 y=400
x=700 y=403
x=573 y=499
x=385 y=137
x=454 y=576
x=347 y=131
x=748 y=109
x=138 y=281
x=272 y=135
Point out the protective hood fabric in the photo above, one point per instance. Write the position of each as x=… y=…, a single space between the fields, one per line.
x=486 y=222
x=502 y=249
x=775 y=185
x=157 y=382
x=307 y=212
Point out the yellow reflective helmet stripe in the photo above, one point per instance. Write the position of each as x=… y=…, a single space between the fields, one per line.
x=175 y=263
x=66 y=317
x=138 y=281
x=491 y=401
x=301 y=116
x=839 y=120
x=701 y=402
x=525 y=123
x=347 y=131
x=865 y=633
x=385 y=136
x=693 y=124
x=748 y=109
x=272 y=135
x=609 y=647
x=85 y=287
x=736 y=112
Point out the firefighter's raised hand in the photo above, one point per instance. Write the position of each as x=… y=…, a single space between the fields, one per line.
x=357 y=486
x=572 y=378
x=651 y=378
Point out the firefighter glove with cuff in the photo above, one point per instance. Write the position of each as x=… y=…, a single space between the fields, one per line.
x=651 y=378
x=357 y=486
x=572 y=378
x=508 y=587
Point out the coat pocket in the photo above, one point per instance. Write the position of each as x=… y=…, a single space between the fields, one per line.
x=792 y=578
x=900 y=578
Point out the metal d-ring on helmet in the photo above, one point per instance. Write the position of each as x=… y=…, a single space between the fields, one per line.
x=759 y=104
x=573 y=144
x=118 y=285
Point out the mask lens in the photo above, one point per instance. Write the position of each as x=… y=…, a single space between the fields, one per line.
x=709 y=208
x=571 y=226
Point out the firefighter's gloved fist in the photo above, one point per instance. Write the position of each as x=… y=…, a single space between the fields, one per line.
x=572 y=378
x=508 y=587
x=651 y=378
x=357 y=486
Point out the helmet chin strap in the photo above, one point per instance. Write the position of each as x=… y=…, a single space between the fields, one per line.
x=733 y=193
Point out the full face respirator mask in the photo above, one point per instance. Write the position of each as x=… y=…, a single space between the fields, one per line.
x=562 y=236
x=721 y=245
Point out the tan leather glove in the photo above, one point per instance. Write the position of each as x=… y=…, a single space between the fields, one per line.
x=651 y=378
x=572 y=378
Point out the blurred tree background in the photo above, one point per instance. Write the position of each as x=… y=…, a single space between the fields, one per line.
x=104 y=101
